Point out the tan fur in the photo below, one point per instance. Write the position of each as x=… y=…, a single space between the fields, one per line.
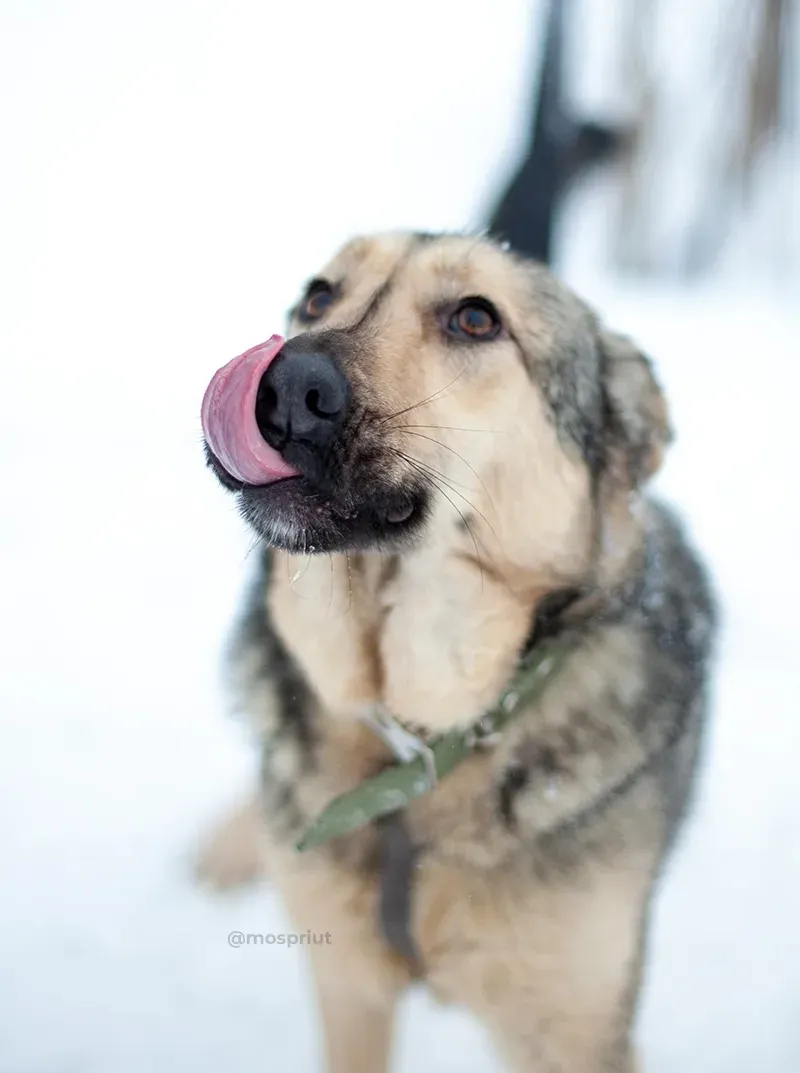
x=501 y=948
x=234 y=854
x=545 y=969
x=529 y=523
x=547 y=956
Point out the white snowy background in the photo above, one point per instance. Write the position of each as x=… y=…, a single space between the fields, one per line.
x=170 y=173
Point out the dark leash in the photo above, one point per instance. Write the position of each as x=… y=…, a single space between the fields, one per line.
x=420 y=766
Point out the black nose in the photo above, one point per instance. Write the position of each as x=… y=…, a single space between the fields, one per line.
x=302 y=399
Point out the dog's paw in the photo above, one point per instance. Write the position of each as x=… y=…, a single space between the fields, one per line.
x=234 y=853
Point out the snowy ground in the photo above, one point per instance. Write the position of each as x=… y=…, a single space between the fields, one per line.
x=171 y=174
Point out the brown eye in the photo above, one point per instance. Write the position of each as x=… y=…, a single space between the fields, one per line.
x=319 y=297
x=475 y=318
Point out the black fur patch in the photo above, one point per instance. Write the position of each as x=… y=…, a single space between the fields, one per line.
x=514 y=780
x=572 y=387
x=273 y=664
x=547 y=621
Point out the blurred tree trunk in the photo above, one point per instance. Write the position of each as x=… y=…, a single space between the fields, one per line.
x=709 y=110
x=563 y=145
x=767 y=67
x=633 y=253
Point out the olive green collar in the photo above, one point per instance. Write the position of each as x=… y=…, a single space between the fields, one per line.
x=421 y=765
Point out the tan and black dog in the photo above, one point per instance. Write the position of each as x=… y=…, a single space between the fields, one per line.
x=449 y=471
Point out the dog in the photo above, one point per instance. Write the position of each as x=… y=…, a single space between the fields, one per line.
x=446 y=467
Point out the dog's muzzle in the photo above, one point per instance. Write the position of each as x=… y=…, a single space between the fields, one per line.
x=274 y=411
x=229 y=418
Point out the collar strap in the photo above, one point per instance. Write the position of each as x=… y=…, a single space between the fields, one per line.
x=427 y=763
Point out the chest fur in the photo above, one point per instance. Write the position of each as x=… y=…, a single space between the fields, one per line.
x=432 y=636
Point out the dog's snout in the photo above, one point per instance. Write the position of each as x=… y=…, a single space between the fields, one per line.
x=302 y=398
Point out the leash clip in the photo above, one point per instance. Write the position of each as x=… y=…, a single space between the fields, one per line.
x=405 y=745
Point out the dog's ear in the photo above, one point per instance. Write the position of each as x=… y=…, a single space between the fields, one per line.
x=638 y=430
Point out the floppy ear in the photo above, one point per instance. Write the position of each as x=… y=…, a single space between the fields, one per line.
x=637 y=421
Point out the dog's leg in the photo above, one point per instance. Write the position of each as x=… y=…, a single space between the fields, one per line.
x=358 y=980
x=357 y=1035
x=553 y=974
x=523 y=1061
x=582 y=1025
x=235 y=852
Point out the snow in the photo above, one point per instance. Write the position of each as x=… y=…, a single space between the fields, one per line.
x=173 y=171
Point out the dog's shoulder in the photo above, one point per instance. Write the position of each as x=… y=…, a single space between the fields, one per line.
x=618 y=733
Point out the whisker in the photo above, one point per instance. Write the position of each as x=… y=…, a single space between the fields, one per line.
x=432 y=481
x=349 y=580
x=449 y=481
x=429 y=398
x=452 y=428
x=253 y=545
x=432 y=439
x=449 y=484
x=302 y=570
x=330 y=592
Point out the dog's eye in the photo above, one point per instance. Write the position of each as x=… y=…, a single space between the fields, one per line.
x=319 y=297
x=474 y=318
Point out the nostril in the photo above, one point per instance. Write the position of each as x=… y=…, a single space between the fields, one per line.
x=266 y=404
x=322 y=405
x=267 y=397
x=302 y=399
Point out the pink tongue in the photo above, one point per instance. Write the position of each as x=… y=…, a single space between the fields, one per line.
x=229 y=418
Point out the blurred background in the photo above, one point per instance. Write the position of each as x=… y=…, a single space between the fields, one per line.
x=171 y=173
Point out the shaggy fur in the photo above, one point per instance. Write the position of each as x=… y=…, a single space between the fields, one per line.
x=480 y=494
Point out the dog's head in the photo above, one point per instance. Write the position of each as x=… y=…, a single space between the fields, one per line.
x=434 y=384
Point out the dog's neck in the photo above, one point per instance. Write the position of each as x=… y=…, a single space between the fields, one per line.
x=433 y=633
x=433 y=639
